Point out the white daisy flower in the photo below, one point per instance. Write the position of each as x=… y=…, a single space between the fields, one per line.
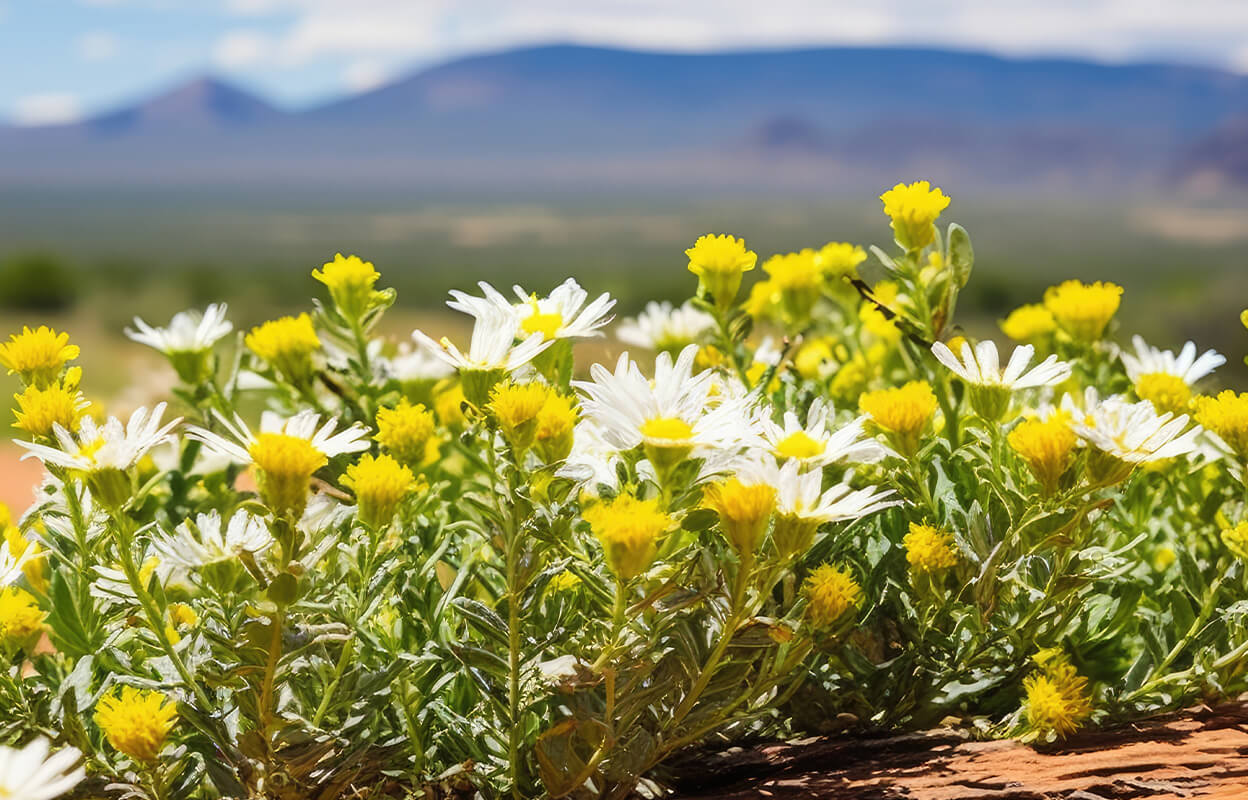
x=415 y=364
x=188 y=331
x=1186 y=366
x=563 y=314
x=662 y=327
x=981 y=366
x=30 y=773
x=818 y=442
x=671 y=411
x=207 y=541
x=493 y=345
x=304 y=425
x=592 y=461
x=11 y=565
x=95 y=448
x=800 y=495
x=1134 y=432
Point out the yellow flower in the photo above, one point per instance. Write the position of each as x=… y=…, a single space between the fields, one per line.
x=350 y=280
x=1165 y=391
x=628 y=530
x=929 y=549
x=850 y=379
x=18 y=547
x=762 y=300
x=40 y=410
x=719 y=262
x=913 y=210
x=137 y=722
x=797 y=277
x=904 y=413
x=1236 y=539
x=815 y=358
x=20 y=617
x=555 y=425
x=744 y=512
x=37 y=356
x=1227 y=416
x=830 y=592
x=380 y=485
x=1047 y=446
x=1243 y=317
x=564 y=581
x=1058 y=701
x=287 y=344
x=516 y=406
x=286 y=465
x=840 y=258
x=448 y=403
x=406 y=431
x=1083 y=310
x=1029 y=323
x=181 y=617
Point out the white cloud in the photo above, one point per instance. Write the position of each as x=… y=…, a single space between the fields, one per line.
x=98 y=46
x=241 y=48
x=360 y=76
x=50 y=108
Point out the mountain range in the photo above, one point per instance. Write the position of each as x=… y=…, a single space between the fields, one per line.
x=574 y=115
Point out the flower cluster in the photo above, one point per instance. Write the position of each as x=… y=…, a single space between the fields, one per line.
x=803 y=494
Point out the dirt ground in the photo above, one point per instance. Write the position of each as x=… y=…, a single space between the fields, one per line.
x=1201 y=753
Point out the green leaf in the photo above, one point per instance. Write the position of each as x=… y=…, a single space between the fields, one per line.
x=961 y=255
x=482 y=618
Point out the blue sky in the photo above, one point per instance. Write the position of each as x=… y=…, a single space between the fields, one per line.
x=61 y=59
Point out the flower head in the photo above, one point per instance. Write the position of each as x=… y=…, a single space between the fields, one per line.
x=1047 y=446
x=991 y=385
x=1165 y=379
x=1236 y=539
x=664 y=328
x=187 y=340
x=819 y=441
x=629 y=530
x=350 y=280
x=719 y=261
x=286 y=452
x=40 y=411
x=380 y=485
x=744 y=511
x=836 y=259
x=831 y=591
x=492 y=353
x=1126 y=435
x=1227 y=416
x=27 y=550
x=913 y=209
x=1029 y=323
x=802 y=505
x=30 y=773
x=929 y=549
x=515 y=406
x=287 y=344
x=556 y=426
x=903 y=412
x=208 y=540
x=1083 y=310
x=20 y=617
x=798 y=278
x=407 y=432
x=136 y=722
x=1058 y=701
x=38 y=357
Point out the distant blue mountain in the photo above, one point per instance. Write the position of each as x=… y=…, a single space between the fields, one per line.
x=569 y=113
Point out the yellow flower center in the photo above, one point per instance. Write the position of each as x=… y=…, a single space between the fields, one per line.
x=136 y=722
x=929 y=549
x=286 y=465
x=405 y=431
x=1166 y=392
x=744 y=511
x=38 y=356
x=39 y=410
x=1227 y=416
x=671 y=429
x=629 y=531
x=20 y=617
x=536 y=322
x=1083 y=310
x=380 y=485
x=799 y=445
x=830 y=592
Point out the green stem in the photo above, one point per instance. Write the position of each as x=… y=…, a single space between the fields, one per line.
x=708 y=669
x=513 y=666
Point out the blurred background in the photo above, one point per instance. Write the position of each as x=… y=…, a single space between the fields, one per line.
x=159 y=154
